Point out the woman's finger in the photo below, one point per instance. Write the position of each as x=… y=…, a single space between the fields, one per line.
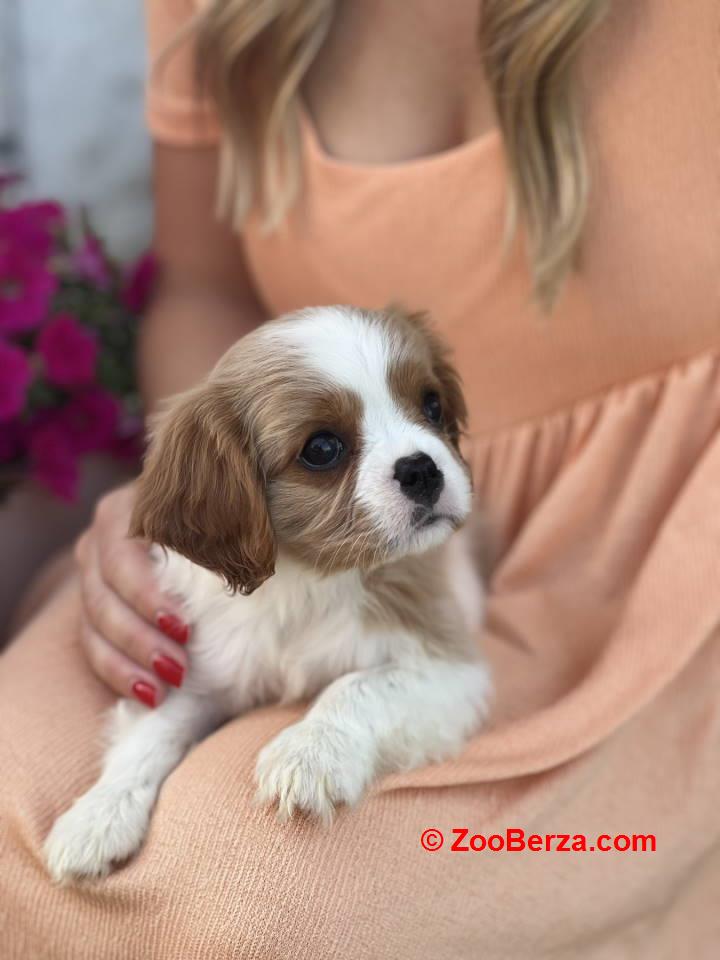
x=128 y=568
x=82 y=547
x=129 y=633
x=123 y=676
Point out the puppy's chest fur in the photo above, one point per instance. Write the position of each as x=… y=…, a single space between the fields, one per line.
x=300 y=631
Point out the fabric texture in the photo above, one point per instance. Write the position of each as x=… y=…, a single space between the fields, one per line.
x=595 y=453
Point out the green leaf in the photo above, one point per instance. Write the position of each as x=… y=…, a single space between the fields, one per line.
x=42 y=395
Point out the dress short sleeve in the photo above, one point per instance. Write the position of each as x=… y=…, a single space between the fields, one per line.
x=175 y=112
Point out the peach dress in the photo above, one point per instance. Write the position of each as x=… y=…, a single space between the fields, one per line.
x=595 y=450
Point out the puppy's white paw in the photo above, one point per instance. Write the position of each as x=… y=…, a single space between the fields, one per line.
x=105 y=826
x=313 y=768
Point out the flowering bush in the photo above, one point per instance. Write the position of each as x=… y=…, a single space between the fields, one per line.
x=68 y=324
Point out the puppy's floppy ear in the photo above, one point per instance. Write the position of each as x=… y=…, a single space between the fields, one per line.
x=201 y=492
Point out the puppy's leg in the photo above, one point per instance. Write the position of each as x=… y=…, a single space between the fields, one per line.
x=108 y=823
x=387 y=718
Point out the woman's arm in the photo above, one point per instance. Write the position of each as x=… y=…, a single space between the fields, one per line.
x=132 y=634
x=204 y=300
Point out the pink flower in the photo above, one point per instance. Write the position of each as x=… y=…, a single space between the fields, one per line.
x=58 y=438
x=26 y=290
x=53 y=460
x=69 y=351
x=26 y=285
x=90 y=420
x=15 y=377
x=29 y=229
x=139 y=284
x=91 y=263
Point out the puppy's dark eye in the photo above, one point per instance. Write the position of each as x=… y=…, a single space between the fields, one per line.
x=323 y=451
x=432 y=408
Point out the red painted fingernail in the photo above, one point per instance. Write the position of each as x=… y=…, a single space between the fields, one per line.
x=168 y=669
x=145 y=693
x=173 y=627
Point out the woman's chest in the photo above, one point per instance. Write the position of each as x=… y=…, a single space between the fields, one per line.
x=396 y=81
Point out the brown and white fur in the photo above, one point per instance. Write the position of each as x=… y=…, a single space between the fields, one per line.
x=342 y=584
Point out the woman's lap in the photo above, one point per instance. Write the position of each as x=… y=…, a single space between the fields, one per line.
x=219 y=877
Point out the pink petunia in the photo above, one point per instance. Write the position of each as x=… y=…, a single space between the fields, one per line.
x=69 y=351
x=15 y=377
x=140 y=283
x=90 y=420
x=30 y=229
x=90 y=262
x=53 y=461
x=26 y=292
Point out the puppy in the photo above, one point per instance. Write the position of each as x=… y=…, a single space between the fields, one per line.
x=301 y=501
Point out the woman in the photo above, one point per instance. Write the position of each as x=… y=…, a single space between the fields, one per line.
x=589 y=350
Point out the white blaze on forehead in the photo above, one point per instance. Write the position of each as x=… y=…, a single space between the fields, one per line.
x=343 y=345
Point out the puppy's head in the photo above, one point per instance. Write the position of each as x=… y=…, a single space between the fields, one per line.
x=332 y=434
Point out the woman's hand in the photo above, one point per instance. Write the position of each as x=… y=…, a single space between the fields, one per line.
x=132 y=633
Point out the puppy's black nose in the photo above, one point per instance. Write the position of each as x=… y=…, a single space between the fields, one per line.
x=419 y=478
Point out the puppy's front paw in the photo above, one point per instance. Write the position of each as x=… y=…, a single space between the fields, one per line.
x=312 y=768
x=103 y=827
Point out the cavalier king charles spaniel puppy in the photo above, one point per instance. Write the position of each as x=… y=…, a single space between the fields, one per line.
x=303 y=502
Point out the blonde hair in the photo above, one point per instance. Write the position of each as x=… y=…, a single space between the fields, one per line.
x=252 y=56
